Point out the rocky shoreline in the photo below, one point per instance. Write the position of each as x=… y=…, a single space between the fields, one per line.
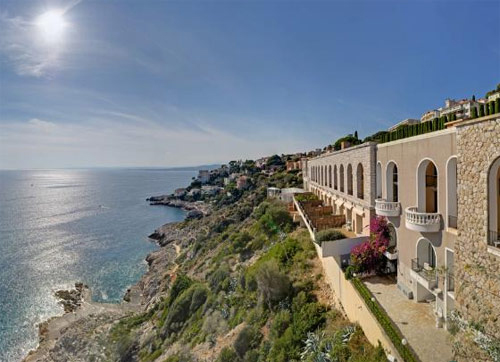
x=67 y=337
x=195 y=209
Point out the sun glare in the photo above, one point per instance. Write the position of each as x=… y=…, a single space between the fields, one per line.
x=51 y=26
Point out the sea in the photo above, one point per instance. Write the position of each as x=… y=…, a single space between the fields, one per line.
x=58 y=227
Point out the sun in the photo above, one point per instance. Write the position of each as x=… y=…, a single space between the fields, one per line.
x=51 y=26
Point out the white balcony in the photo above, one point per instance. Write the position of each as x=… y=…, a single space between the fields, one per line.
x=391 y=253
x=423 y=222
x=387 y=208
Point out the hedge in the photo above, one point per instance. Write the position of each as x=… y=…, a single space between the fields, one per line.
x=306 y=197
x=410 y=130
x=387 y=324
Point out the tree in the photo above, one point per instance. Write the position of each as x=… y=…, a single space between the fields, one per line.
x=473 y=97
x=473 y=113
x=356 y=134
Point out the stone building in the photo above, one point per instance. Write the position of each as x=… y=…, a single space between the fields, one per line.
x=416 y=192
x=345 y=180
x=440 y=193
x=477 y=261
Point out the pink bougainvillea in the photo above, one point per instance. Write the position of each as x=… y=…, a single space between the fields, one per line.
x=368 y=256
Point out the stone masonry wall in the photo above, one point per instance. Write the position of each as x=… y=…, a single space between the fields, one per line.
x=364 y=154
x=477 y=270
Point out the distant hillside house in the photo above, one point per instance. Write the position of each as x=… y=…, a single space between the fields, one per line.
x=293 y=165
x=261 y=162
x=404 y=122
x=242 y=183
x=462 y=109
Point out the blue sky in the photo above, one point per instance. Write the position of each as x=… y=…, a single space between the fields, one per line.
x=157 y=83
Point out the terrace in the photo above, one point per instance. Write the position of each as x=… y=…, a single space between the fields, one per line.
x=416 y=321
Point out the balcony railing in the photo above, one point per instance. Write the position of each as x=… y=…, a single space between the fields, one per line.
x=422 y=221
x=387 y=208
x=452 y=221
x=494 y=239
x=426 y=272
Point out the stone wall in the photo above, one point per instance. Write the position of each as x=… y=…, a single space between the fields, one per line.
x=364 y=154
x=477 y=267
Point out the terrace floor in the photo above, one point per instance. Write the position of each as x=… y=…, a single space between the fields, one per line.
x=415 y=320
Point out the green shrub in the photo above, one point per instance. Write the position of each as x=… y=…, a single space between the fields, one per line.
x=247 y=339
x=306 y=197
x=227 y=354
x=329 y=235
x=181 y=283
x=281 y=322
x=240 y=240
x=219 y=280
x=275 y=219
x=183 y=307
x=273 y=286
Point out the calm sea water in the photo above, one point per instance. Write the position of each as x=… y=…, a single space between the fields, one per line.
x=58 y=227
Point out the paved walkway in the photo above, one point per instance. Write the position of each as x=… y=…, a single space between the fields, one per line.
x=415 y=320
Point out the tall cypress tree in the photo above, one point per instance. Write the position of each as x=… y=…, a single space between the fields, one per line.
x=473 y=113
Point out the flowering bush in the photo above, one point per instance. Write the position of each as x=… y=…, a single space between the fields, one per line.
x=368 y=256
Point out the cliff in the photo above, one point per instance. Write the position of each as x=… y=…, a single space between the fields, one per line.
x=240 y=284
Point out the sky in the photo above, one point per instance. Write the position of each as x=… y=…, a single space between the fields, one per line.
x=177 y=83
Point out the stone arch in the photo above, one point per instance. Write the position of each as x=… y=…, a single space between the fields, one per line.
x=427 y=186
x=349 y=180
x=335 y=180
x=341 y=175
x=426 y=253
x=494 y=203
x=392 y=182
x=360 y=181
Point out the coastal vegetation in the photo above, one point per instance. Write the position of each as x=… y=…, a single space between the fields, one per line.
x=247 y=287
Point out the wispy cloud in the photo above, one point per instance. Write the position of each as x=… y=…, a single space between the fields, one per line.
x=127 y=143
x=19 y=45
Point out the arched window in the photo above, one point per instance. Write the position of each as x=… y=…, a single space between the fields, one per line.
x=451 y=192
x=360 y=180
x=393 y=238
x=494 y=204
x=392 y=182
x=426 y=253
x=379 y=180
x=330 y=176
x=341 y=175
x=335 y=184
x=349 y=179
x=427 y=187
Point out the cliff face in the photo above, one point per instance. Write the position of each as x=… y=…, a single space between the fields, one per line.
x=239 y=284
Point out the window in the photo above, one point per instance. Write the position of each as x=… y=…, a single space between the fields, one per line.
x=494 y=204
x=341 y=178
x=349 y=179
x=360 y=178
